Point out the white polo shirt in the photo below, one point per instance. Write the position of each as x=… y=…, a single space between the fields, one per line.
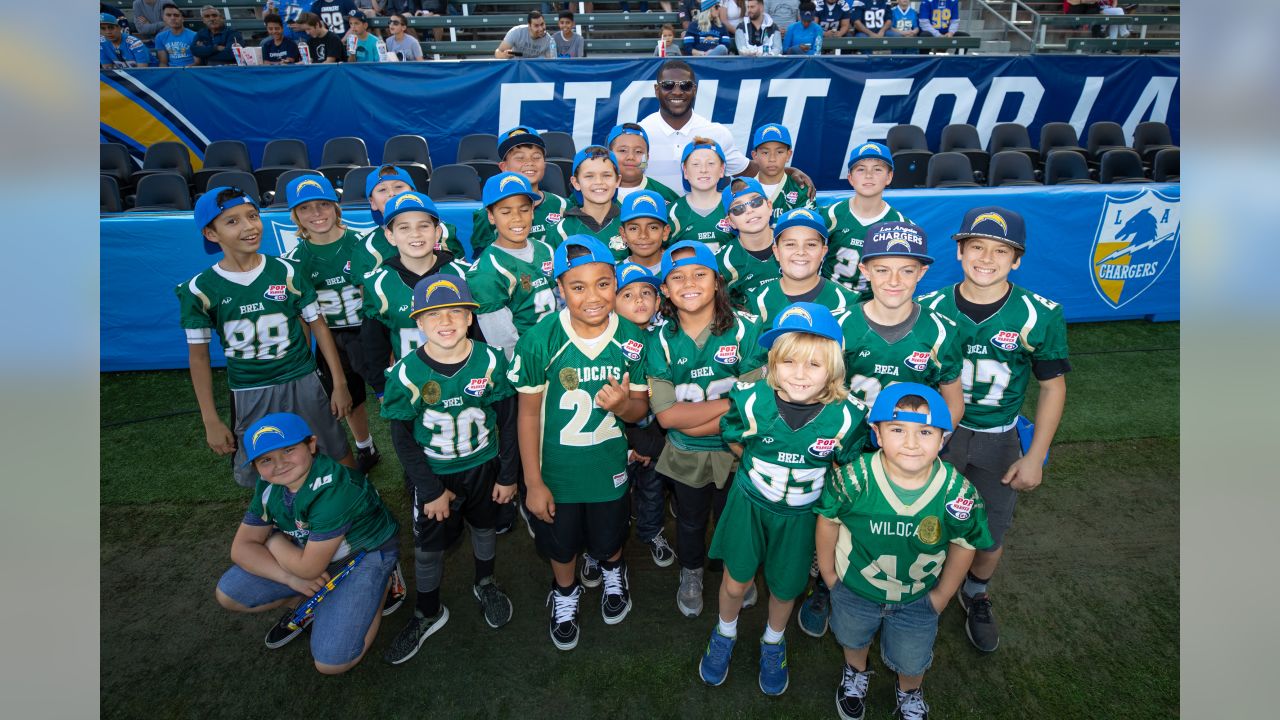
x=666 y=144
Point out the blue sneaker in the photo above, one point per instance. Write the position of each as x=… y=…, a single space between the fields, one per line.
x=774 y=676
x=815 y=611
x=714 y=667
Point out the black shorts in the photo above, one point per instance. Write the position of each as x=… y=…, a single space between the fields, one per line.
x=983 y=459
x=348 y=342
x=600 y=528
x=473 y=502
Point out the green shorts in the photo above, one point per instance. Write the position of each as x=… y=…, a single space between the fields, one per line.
x=749 y=534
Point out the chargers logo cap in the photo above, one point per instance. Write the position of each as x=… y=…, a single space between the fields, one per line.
x=436 y=291
x=873 y=150
x=505 y=185
x=273 y=432
x=799 y=217
x=773 y=132
x=803 y=317
x=408 y=202
x=995 y=223
x=896 y=239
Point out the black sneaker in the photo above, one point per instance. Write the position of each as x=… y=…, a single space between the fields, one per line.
x=911 y=705
x=396 y=593
x=852 y=692
x=589 y=572
x=980 y=621
x=615 y=602
x=660 y=550
x=564 y=617
x=280 y=634
x=493 y=602
x=406 y=642
x=366 y=458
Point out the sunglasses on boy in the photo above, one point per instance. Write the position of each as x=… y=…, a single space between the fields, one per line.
x=751 y=204
x=669 y=85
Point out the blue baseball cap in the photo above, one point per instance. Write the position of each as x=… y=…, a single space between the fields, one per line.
x=872 y=150
x=629 y=272
x=505 y=185
x=590 y=151
x=376 y=177
x=800 y=217
x=896 y=239
x=619 y=130
x=207 y=210
x=708 y=4
x=885 y=407
x=995 y=223
x=597 y=253
x=441 y=291
x=409 y=202
x=517 y=136
x=643 y=204
x=772 y=132
x=702 y=255
x=272 y=432
x=108 y=19
x=803 y=317
x=690 y=148
x=306 y=188
x=728 y=195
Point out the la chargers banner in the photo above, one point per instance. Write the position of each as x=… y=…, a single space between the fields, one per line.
x=1106 y=252
x=831 y=104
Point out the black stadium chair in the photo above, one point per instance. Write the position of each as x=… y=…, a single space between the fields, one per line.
x=219 y=156
x=1066 y=167
x=340 y=155
x=484 y=168
x=1121 y=166
x=236 y=178
x=910 y=168
x=404 y=150
x=1011 y=167
x=280 y=156
x=559 y=144
x=963 y=138
x=478 y=146
x=165 y=157
x=1105 y=136
x=906 y=137
x=114 y=160
x=109 y=195
x=279 y=198
x=1059 y=136
x=353 y=185
x=566 y=169
x=950 y=170
x=553 y=181
x=1012 y=136
x=1150 y=138
x=1166 y=166
x=454 y=182
x=160 y=191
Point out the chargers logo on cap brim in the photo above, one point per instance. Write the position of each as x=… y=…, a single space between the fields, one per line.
x=431 y=289
x=631 y=270
x=871 y=148
x=795 y=311
x=993 y=217
x=502 y=184
x=408 y=198
x=802 y=212
x=266 y=430
x=309 y=183
x=644 y=200
x=771 y=129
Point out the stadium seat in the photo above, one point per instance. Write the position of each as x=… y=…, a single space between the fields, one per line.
x=1165 y=167
x=1105 y=136
x=950 y=170
x=559 y=144
x=478 y=146
x=219 y=156
x=566 y=170
x=278 y=197
x=1011 y=167
x=165 y=157
x=353 y=185
x=109 y=195
x=963 y=138
x=1066 y=167
x=1012 y=136
x=454 y=182
x=553 y=181
x=236 y=178
x=340 y=155
x=910 y=168
x=484 y=168
x=1121 y=166
x=403 y=150
x=160 y=191
x=906 y=137
x=114 y=160
x=278 y=157
x=1150 y=138
x=1059 y=136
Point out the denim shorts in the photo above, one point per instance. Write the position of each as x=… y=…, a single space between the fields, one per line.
x=907 y=630
x=342 y=619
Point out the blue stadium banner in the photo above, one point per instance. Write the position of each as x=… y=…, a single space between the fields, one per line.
x=1106 y=252
x=830 y=104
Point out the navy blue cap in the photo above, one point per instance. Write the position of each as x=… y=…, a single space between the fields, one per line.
x=885 y=407
x=896 y=239
x=441 y=291
x=408 y=202
x=306 y=188
x=376 y=177
x=618 y=131
x=597 y=252
x=643 y=204
x=689 y=150
x=803 y=317
x=517 y=136
x=800 y=217
x=870 y=150
x=272 y=432
x=772 y=132
x=505 y=185
x=702 y=255
x=728 y=195
x=995 y=223
x=629 y=272
x=207 y=210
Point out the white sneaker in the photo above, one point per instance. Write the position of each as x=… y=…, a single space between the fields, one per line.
x=751 y=596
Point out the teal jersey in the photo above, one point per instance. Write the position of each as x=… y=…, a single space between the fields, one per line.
x=844 y=244
x=712 y=229
x=453 y=416
x=999 y=352
x=389 y=301
x=258 y=316
x=546 y=214
x=890 y=551
x=334 y=501
x=584 y=451
x=767 y=300
x=788 y=196
x=328 y=269
x=744 y=272
x=703 y=369
x=928 y=354
x=781 y=469
x=373 y=249
x=499 y=280
x=610 y=234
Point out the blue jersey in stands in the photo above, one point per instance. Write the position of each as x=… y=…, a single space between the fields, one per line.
x=289 y=12
x=177 y=47
x=830 y=13
x=131 y=53
x=904 y=20
x=333 y=13
x=273 y=53
x=942 y=15
x=695 y=39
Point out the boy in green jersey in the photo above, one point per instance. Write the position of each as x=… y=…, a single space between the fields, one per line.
x=452 y=419
x=308 y=518
x=699 y=214
x=580 y=372
x=897 y=532
x=799 y=245
x=257 y=305
x=1007 y=334
x=522 y=150
x=373 y=249
x=771 y=151
x=870 y=172
x=645 y=229
x=630 y=144
x=324 y=252
x=747 y=261
x=595 y=185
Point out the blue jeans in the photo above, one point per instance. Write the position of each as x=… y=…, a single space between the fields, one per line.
x=647 y=494
x=644 y=6
x=907 y=630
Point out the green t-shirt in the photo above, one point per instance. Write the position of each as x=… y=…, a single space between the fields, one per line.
x=372 y=249
x=891 y=551
x=789 y=196
x=389 y=301
x=584 y=451
x=499 y=280
x=654 y=186
x=928 y=354
x=844 y=243
x=767 y=299
x=689 y=224
x=258 y=316
x=610 y=234
x=744 y=272
x=328 y=269
x=546 y=214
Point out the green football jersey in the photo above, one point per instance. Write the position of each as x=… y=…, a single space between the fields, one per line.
x=584 y=451
x=928 y=354
x=328 y=269
x=389 y=301
x=610 y=234
x=546 y=214
x=334 y=501
x=783 y=469
x=889 y=551
x=706 y=371
x=712 y=229
x=654 y=186
x=499 y=280
x=998 y=352
x=455 y=422
x=844 y=244
x=767 y=300
x=743 y=272
x=373 y=249
x=789 y=195
x=258 y=317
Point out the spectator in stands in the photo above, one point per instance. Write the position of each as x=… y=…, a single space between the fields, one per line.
x=365 y=43
x=871 y=18
x=1112 y=8
x=757 y=35
x=804 y=37
x=276 y=48
x=117 y=48
x=402 y=41
x=289 y=11
x=624 y=6
x=174 y=42
x=705 y=35
x=400 y=7
x=148 y=18
x=325 y=47
x=213 y=42
x=833 y=16
x=676 y=124
x=530 y=40
x=687 y=11
x=906 y=21
x=334 y=14
x=666 y=41
x=730 y=13
x=367 y=8
x=941 y=18
x=569 y=44
x=781 y=13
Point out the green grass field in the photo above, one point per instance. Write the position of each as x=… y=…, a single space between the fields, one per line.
x=1087 y=598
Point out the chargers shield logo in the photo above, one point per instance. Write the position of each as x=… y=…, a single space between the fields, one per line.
x=1135 y=241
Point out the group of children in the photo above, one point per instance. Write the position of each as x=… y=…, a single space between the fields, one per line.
x=764 y=362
